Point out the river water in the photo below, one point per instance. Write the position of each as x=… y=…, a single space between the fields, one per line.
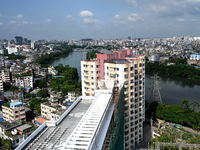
x=173 y=89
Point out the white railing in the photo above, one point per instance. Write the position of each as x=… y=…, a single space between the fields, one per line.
x=31 y=136
x=68 y=111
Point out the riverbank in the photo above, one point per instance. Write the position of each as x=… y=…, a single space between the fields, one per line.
x=180 y=70
x=49 y=58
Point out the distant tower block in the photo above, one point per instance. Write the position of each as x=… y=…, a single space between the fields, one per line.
x=33 y=44
x=155 y=93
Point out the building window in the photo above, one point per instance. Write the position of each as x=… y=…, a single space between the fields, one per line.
x=131 y=68
x=126 y=76
x=136 y=65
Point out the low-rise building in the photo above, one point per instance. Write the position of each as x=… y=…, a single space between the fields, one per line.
x=1 y=85
x=15 y=131
x=24 y=81
x=5 y=75
x=71 y=96
x=14 y=111
x=51 y=107
x=40 y=121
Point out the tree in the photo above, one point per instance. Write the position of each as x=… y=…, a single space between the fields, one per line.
x=34 y=102
x=43 y=93
x=195 y=105
x=161 y=110
x=7 y=143
x=41 y=83
x=186 y=106
x=27 y=95
x=13 y=88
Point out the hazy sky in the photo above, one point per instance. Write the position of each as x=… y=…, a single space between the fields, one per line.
x=76 y=19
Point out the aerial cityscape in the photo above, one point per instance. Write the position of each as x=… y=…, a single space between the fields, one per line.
x=100 y=75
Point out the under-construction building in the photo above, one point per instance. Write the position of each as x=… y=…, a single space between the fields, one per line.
x=127 y=71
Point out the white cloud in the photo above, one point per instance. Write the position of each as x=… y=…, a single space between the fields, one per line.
x=117 y=16
x=2 y=16
x=12 y=21
x=47 y=21
x=90 y=20
x=180 y=20
x=157 y=8
x=86 y=13
x=133 y=2
x=130 y=18
x=134 y=18
x=69 y=17
x=18 y=16
x=194 y=20
x=196 y=8
x=1 y=23
x=25 y=22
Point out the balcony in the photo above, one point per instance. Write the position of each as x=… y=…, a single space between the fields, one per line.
x=23 y=112
x=87 y=80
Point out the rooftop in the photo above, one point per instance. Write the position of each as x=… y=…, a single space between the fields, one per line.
x=70 y=122
x=104 y=51
x=118 y=61
x=85 y=132
x=16 y=104
x=24 y=127
x=9 y=125
x=49 y=104
x=41 y=120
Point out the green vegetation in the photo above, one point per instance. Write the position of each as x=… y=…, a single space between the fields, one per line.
x=174 y=135
x=48 y=58
x=28 y=95
x=179 y=68
x=42 y=83
x=13 y=88
x=177 y=114
x=92 y=54
x=14 y=57
x=69 y=82
x=5 y=144
x=43 y=93
x=35 y=104
x=8 y=133
x=32 y=124
x=23 y=74
x=6 y=104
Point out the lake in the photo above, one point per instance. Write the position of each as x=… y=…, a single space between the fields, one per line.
x=173 y=89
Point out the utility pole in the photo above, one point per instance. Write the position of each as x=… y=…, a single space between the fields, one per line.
x=155 y=94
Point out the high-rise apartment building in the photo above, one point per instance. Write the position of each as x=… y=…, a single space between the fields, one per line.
x=18 y=40
x=126 y=70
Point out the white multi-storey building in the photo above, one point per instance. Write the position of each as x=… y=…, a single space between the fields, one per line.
x=126 y=70
x=26 y=81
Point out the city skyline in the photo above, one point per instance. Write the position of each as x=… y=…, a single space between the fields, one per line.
x=98 y=19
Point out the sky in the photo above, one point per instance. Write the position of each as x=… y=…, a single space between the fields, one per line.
x=98 y=19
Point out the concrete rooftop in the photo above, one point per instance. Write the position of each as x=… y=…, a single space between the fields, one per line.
x=55 y=137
